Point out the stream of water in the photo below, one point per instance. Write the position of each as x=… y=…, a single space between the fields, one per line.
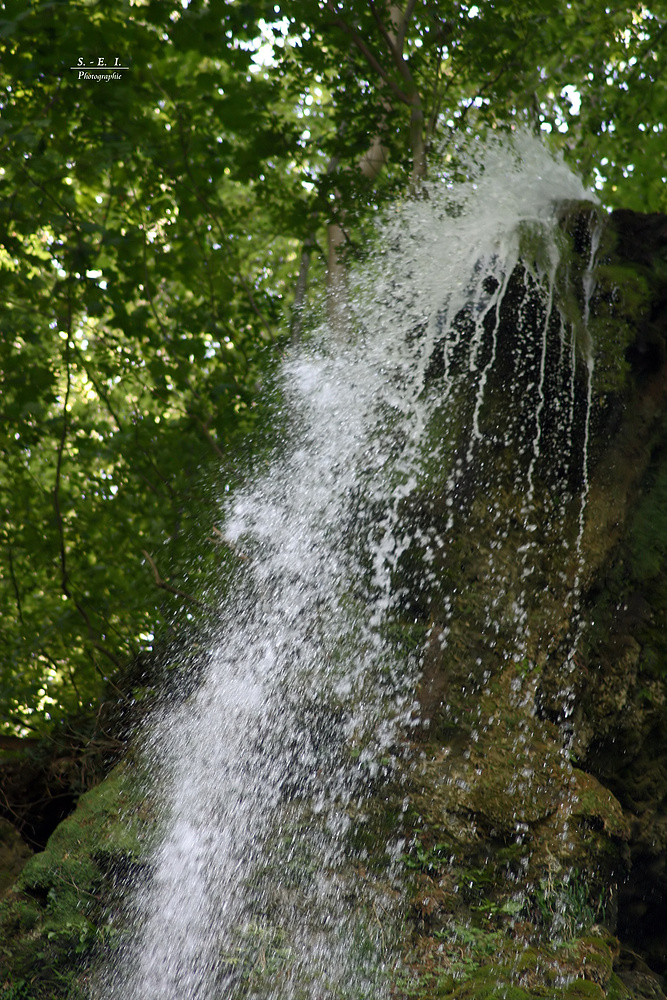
x=259 y=885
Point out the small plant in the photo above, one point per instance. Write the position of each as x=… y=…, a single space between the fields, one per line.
x=428 y=860
x=14 y=991
x=565 y=907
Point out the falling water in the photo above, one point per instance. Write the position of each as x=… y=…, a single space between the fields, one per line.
x=458 y=363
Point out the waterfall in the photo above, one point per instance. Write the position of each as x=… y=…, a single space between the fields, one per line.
x=459 y=363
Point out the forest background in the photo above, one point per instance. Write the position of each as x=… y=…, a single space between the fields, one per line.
x=166 y=230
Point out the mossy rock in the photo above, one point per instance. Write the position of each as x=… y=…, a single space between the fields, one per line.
x=14 y=853
x=583 y=989
x=520 y=777
x=617 y=990
x=104 y=826
x=592 y=800
x=489 y=983
x=534 y=975
x=595 y=956
x=60 y=911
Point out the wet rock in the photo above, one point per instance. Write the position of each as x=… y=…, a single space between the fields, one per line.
x=539 y=797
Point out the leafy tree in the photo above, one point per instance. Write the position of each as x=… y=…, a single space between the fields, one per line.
x=140 y=282
x=156 y=228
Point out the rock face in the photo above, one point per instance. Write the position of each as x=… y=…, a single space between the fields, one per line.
x=535 y=809
x=538 y=793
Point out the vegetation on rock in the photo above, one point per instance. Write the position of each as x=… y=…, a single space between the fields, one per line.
x=63 y=910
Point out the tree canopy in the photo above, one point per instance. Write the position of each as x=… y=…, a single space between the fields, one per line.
x=160 y=225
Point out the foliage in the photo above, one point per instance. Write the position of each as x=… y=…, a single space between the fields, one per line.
x=151 y=229
x=586 y=74
x=564 y=906
x=136 y=307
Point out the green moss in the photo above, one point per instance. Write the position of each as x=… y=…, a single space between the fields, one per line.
x=58 y=914
x=622 y=299
x=583 y=989
x=596 y=958
x=489 y=983
x=617 y=990
x=593 y=800
x=104 y=825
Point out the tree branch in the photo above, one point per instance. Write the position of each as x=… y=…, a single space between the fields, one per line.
x=403 y=27
x=436 y=97
x=61 y=449
x=370 y=57
x=107 y=680
x=12 y=573
x=207 y=434
x=255 y=308
x=163 y=585
x=300 y=291
x=221 y=230
x=411 y=98
x=93 y=633
x=394 y=51
x=147 y=288
x=104 y=396
x=396 y=42
x=17 y=742
x=105 y=652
